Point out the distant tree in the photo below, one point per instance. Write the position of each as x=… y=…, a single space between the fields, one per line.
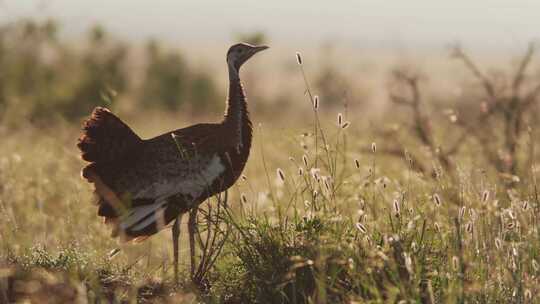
x=331 y=84
x=42 y=78
x=29 y=69
x=204 y=95
x=497 y=119
x=102 y=75
x=166 y=78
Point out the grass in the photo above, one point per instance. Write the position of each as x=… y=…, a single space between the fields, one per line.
x=322 y=215
x=336 y=233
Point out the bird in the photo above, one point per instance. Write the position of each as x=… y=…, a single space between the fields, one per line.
x=142 y=185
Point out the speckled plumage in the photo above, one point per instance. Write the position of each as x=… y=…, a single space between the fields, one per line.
x=143 y=185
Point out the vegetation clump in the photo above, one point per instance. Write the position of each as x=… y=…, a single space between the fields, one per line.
x=438 y=204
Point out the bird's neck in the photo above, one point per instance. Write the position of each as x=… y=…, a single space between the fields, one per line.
x=236 y=115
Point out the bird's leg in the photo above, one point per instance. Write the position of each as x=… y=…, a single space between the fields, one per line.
x=191 y=229
x=175 y=236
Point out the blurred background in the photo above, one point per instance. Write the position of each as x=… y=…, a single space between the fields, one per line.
x=437 y=98
x=429 y=78
x=60 y=58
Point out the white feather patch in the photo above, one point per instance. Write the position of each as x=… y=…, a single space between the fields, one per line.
x=193 y=185
x=158 y=217
x=138 y=213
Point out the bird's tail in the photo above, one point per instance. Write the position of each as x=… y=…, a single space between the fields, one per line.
x=104 y=141
x=105 y=137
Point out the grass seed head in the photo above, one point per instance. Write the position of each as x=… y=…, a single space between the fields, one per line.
x=362 y=203
x=510 y=225
x=345 y=125
x=361 y=227
x=462 y=213
x=315 y=173
x=437 y=199
x=368 y=240
x=357 y=163
x=408 y=263
x=397 y=210
x=281 y=175
x=298 y=58
x=528 y=294
x=455 y=263
x=472 y=214
x=485 y=196
x=113 y=253
x=470 y=227
x=305 y=160
x=408 y=157
x=350 y=262
x=316 y=102
x=373 y=147
x=243 y=198
x=498 y=243
x=361 y=216
x=339 y=119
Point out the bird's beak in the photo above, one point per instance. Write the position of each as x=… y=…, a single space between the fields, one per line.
x=259 y=48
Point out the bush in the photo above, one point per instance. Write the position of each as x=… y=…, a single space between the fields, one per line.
x=169 y=83
x=43 y=78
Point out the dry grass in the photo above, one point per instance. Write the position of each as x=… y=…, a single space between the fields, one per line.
x=324 y=214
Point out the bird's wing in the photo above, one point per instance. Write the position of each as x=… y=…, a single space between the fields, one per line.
x=179 y=190
x=170 y=173
x=183 y=161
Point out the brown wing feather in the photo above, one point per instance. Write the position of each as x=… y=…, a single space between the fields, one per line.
x=121 y=170
x=105 y=137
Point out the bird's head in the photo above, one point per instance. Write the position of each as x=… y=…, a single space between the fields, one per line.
x=239 y=53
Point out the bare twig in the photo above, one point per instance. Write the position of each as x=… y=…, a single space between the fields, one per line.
x=216 y=235
x=458 y=53
x=421 y=123
x=520 y=73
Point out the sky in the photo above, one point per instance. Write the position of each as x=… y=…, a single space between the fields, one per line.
x=482 y=24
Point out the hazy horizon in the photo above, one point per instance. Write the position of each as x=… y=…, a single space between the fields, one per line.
x=486 y=24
